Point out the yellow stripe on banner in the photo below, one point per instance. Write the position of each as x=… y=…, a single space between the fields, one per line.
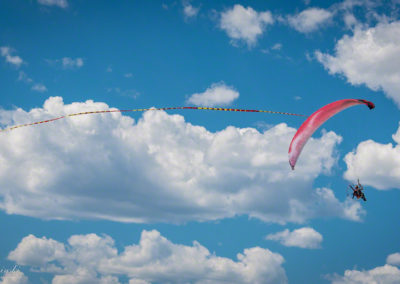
x=146 y=109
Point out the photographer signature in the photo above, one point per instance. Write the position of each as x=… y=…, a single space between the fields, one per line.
x=4 y=271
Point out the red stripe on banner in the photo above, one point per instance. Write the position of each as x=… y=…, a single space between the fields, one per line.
x=134 y=110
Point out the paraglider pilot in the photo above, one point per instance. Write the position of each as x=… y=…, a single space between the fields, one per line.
x=357 y=191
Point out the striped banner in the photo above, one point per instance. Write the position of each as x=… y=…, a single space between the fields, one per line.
x=147 y=109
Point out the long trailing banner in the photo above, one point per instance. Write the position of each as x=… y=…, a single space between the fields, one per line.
x=148 y=109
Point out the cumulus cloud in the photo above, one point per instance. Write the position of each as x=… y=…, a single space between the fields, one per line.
x=59 y=3
x=7 y=52
x=350 y=20
x=84 y=276
x=387 y=274
x=39 y=88
x=70 y=63
x=14 y=277
x=245 y=23
x=218 y=94
x=393 y=259
x=189 y=11
x=303 y=238
x=370 y=56
x=376 y=164
x=310 y=19
x=277 y=46
x=95 y=259
x=37 y=251
x=131 y=93
x=22 y=76
x=159 y=169
x=351 y=4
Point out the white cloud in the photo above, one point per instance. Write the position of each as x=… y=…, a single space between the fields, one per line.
x=382 y=274
x=245 y=23
x=350 y=20
x=83 y=276
x=350 y=4
x=70 y=63
x=131 y=93
x=159 y=169
x=277 y=46
x=274 y=50
x=218 y=94
x=39 y=88
x=365 y=10
x=388 y=273
x=370 y=56
x=310 y=20
x=6 y=52
x=189 y=11
x=303 y=238
x=22 y=76
x=375 y=164
x=14 y=277
x=37 y=251
x=59 y=3
x=128 y=75
x=94 y=259
x=393 y=259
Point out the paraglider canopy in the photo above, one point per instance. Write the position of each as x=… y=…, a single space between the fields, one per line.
x=314 y=121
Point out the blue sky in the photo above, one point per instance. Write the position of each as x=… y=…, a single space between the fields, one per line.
x=198 y=196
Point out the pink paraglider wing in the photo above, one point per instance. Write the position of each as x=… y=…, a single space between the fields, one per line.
x=314 y=121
